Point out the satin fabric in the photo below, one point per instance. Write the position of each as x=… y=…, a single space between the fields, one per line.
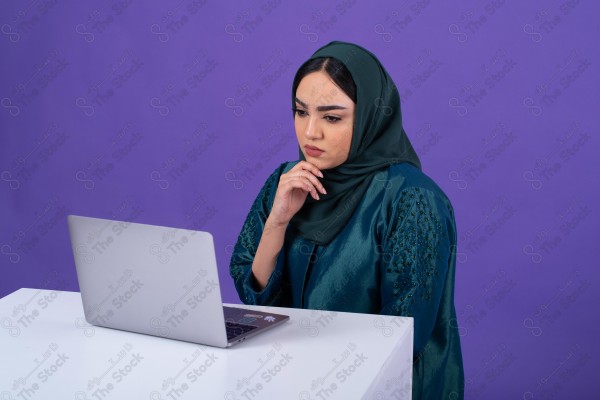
x=395 y=256
x=378 y=140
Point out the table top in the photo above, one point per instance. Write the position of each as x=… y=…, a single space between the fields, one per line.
x=49 y=351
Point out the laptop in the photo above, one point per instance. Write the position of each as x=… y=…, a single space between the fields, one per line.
x=157 y=281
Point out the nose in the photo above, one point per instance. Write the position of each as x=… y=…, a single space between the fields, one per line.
x=312 y=130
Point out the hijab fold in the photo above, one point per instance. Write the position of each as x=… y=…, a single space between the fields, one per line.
x=378 y=141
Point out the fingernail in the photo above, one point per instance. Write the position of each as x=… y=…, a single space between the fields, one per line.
x=320 y=174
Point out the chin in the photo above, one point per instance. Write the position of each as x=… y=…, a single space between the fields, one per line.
x=321 y=164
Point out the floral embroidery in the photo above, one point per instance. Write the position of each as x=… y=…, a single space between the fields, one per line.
x=414 y=245
x=251 y=231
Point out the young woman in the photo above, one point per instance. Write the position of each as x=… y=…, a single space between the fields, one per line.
x=354 y=225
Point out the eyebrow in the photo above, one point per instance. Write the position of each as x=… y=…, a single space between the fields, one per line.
x=321 y=108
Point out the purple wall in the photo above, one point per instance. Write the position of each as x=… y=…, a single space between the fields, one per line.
x=175 y=114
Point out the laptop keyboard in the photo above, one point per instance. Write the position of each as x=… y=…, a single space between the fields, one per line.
x=234 y=329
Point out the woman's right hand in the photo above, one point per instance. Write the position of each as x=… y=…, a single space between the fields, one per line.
x=292 y=190
x=291 y=193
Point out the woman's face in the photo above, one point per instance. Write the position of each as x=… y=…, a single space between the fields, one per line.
x=324 y=120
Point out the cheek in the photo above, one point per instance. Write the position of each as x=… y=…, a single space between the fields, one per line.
x=342 y=143
x=346 y=137
x=298 y=127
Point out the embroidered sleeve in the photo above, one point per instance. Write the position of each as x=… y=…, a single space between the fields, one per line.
x=416 y=255
x=240 y=267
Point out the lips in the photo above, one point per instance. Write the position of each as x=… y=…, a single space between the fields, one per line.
x=313 y=151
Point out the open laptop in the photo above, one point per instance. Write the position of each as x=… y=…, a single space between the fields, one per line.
x=158 y=281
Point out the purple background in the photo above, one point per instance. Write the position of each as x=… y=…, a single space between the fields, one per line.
x=175 y=113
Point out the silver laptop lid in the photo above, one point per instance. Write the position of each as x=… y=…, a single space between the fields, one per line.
x=149 y=279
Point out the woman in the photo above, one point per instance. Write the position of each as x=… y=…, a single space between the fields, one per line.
x=355 y=225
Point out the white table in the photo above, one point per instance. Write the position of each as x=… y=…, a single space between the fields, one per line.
x=49 y=351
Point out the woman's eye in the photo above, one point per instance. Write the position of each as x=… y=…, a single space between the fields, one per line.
x=331 y=118
x=300 y=113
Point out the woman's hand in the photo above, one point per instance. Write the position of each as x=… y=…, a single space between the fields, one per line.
x=291 y=193
x=292 y=190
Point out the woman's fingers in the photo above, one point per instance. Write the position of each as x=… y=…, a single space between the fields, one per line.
x=293 y=188
x=309 y=172
x=301 y=181
x=312 y=179
x=309 y=167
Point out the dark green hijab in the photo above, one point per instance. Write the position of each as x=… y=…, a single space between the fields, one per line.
x=378 y=141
